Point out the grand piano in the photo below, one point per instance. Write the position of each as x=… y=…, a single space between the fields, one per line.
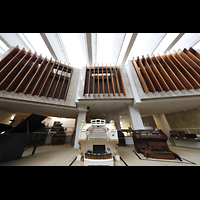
x=153 y=144
x=14 y=140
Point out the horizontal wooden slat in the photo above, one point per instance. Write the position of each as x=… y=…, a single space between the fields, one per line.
x=65 y=96
x=145 y=88
x=193 y=57
x=193 y=51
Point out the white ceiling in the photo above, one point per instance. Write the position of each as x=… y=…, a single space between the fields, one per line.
x=79 y=49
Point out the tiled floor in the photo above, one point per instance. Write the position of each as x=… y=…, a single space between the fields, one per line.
x=64 y=155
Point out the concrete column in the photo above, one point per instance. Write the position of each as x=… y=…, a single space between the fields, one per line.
x=5 y=116
x=81 y=116
x=135 y=118
x=162 y=123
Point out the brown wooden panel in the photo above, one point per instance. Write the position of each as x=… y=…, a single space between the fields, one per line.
x=165 y=75
x=121 y=81
x=117 y=81
x=46 y=80
x=13 y=72
x=194 y=52
x=158 y=75
x=8 y=67
x=68 y=84
x=64 y=81
x=112 y=82
x=189 y=61
x=58 y=82
x=28 y=74
x=193 y=57
x=21 y=74
x=93 y=85
x=35 y=76
x=152 y=75
x=53 y=80
x=103 y=81
x=179 y=74
x=9 y=56
x=107 y=81
x=187 y=66
x=41 y=77
x=184 y=71
x=84 y=80
x=89 y=81
x=98 y=78
x=144 y=86
x=146 y=76
x=173 y=76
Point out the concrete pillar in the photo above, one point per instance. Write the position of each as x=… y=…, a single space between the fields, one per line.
x=5 y=116
x=135 y=118
x=162 y=123
x=81 y=116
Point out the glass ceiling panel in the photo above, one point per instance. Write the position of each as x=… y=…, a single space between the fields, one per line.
x=38 y=44
x=197 y=46
x=75 y=46
x=144 y=44
x=186 y=41
x=168 y=39
x=108 y=47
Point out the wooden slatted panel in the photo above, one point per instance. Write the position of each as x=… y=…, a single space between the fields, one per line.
x=13 y=72
x=68 y=84
x=85 y=80
x=40 y=78
x=53 y=79
x=117 y=81
x=184 y=71
x=179 y=74
x=152 y=75
x=189 y=61
x=158 y=75
x=8 y=67
x=173 y=76
x=35 y=76
x=47 y=78
x=103 y=81
x=112 y=82
x=93 y=85
x=146 y=76
x=144 y=86
x=59 y=96
x=187 y=66
x=165 y=75
x=107 y=81
x=28 y=75
x=9 y=56
x=193 y=51
x=98 y=78
x=121 y=81
x=21 y=74
x=89 y=81
x=193 y=57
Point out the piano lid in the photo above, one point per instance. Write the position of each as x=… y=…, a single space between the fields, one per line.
x=34 y=122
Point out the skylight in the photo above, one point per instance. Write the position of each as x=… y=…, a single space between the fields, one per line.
x=38 y=44
x=75 y=47
x=108 y=47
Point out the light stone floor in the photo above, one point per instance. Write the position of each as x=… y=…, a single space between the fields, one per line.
x=63 y=155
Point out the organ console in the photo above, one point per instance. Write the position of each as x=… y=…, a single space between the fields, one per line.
x=153 y=144
x=14 y=140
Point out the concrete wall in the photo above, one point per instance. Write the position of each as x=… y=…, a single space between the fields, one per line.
x=5 y=116
x=189 y=119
